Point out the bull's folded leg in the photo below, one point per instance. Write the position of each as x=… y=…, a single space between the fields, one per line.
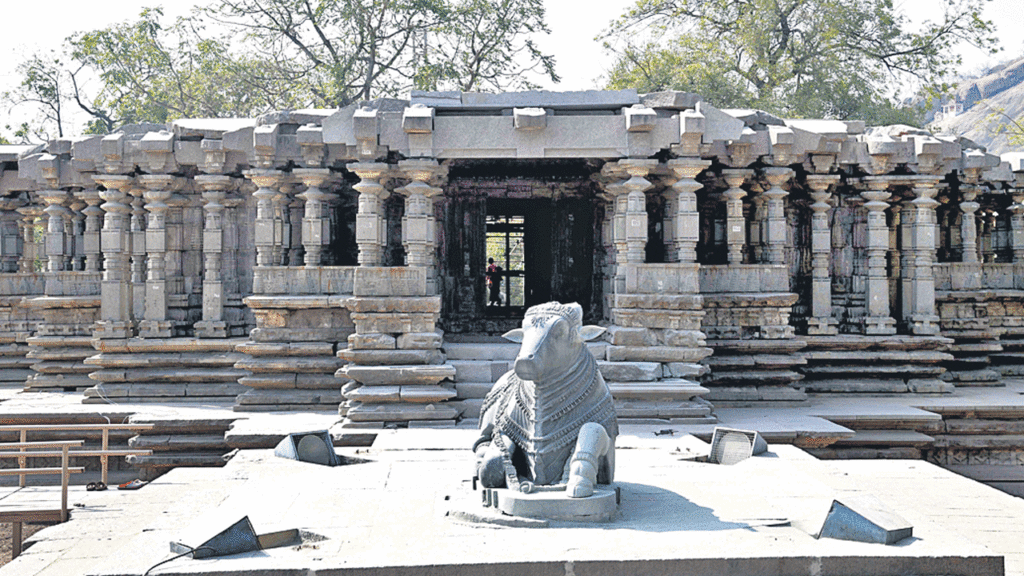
x=491 y=467
x=592 y=444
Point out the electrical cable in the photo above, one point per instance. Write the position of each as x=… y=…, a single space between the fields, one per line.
x=162 y=562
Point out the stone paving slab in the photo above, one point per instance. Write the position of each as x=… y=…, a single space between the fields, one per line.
x=388 y=517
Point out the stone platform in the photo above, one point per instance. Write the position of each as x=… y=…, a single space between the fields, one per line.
x=390 y=516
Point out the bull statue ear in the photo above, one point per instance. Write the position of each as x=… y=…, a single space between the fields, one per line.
x=515 y=335
x=590 y=332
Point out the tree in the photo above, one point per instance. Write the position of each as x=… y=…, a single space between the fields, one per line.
x=839 y=59
x=247 y=57
x=350 y=50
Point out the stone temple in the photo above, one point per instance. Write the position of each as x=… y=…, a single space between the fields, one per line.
x=322 y=260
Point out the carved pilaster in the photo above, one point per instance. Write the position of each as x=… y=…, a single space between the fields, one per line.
x=919 y=286
x=91 y=235
x=418 y=226
x=1017 y=225
x=686 y=220
x=821 y=321
x=29 y=247
x=316 y=221
x=77 y=235
x=735 y=233
x=371 y=224
x=282 y=221
x=775 y=199
x=10 y=233
x=877 y=319
x=968 y=226
x=266 y=180
x=636 y=208
x=158 y=191
x=115 y=296
x=296 y=211
x=56 y=245
x=138 y=244
x=215 y=189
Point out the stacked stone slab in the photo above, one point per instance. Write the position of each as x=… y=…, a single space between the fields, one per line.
x=17 y=323
x=291 y=358
x=148 y=370
x=747 y=320
x=399 y=372
x=876 y=364
x=978 y=435
x=478 y=365
x=178 y=441
x=63 y=339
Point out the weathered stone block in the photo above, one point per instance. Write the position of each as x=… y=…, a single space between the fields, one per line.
x=371 y=342
x=656 y=354
x=397 y=375
x=420 y=340
x=390 y=281
x=684 y=338
x=391 y=357
x=410 y=305
x=629 y=371
x=623 y=336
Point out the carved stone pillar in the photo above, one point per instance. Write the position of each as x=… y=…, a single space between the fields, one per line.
x=821 y=321
x=155 y=323
x=229 y=262
x=371 y=223
x=29 y=247
x=10 y=233
x=77 y=236
x=266 y=180
x=316 y=220
x=56 y=244
x=296 y=210
x=968 y=226
x=1017 y=225
x=919 y=286
x=115 y=296
x=636 y=209
x=215 y=189
x=757 y=245
x=138 y=262
x=987 y=241
x=877 y=319
x=735 y=226
x=686 y=220
x=175 y=240
x=91 y=234
x=282 y=222
x=418 y=226
x=775 y=234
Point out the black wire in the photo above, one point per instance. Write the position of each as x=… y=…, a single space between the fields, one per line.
x=162 y=562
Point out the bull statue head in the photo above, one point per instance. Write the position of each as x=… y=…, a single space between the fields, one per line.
x=551 y=333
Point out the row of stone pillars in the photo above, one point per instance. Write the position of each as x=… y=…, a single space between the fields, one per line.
x=278 y=241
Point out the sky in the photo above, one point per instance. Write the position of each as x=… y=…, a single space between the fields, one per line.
x=580 y=60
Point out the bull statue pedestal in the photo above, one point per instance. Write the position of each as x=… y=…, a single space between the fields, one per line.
x=548 y=427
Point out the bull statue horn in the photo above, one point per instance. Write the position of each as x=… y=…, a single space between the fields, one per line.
x=590 y=332
x=515 y=335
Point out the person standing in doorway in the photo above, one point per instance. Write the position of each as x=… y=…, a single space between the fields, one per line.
x=493 y=283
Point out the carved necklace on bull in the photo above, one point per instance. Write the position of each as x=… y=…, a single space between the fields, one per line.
x=517 y=411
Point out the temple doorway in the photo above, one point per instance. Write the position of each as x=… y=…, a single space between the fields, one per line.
x=544 y=248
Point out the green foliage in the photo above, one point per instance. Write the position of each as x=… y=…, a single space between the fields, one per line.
x=240 y=58
x=839 y=59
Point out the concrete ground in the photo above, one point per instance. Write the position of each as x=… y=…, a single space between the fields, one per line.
x=389 y=515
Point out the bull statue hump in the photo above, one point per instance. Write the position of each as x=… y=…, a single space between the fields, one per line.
x=550 y=420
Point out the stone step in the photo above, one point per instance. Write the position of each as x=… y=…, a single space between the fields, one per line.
x=61 y=367
x=175 y=424
x=664 y=390
x=746 y=395
x=61 y=354
x=630 y=371
x=753 y=377
x=400 y=412
x=303 y=364
x=286 y=348
x=980 y=441
x=697 y=421
x=886 y=439
x=983 y=426
x=58 y=382
x=278 y=407
x=866 y=453
x=128 y=392
x=294 y=397
x=881 y=357
x=971 y=410
x=867 y=368
x=468 y=408
x=414 y=394
x=1007 y=358
x=217 y=401
x=169 y=345
x=289 y=381
x=168 y=375
x=480 y=370
x=397 y=375
x=859 y=386
x=472 y=390
x=154 y=360
x=175 y=460
x=628 y=408
x=180 y=443
x=390 y=357
x=15 y=375
x=746 y=347
x=852 y=342
x=762 y=361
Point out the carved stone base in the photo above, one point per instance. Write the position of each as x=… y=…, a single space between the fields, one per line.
x=555 y=504
x=878 y=325
x=822 y=326
x=106 y=329
x=924 y=325
x=212 y=329
x=156 y=329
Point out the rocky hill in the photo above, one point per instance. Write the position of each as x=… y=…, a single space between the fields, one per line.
x=1001 y=89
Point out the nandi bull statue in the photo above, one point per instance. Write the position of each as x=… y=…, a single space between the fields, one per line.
x=550 y=421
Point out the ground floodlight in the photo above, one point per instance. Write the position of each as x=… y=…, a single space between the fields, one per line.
x=314 y=447
x=235 y=539
x=864 y=518
x=729 y=446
